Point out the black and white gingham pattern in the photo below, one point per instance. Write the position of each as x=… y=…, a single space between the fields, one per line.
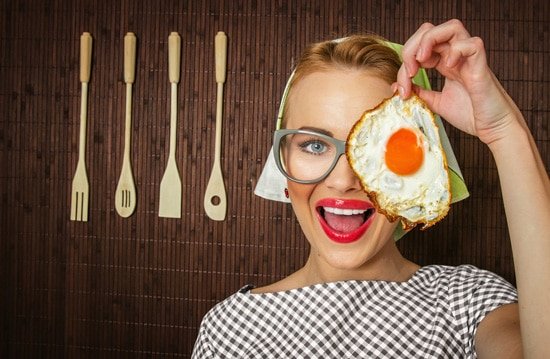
x=433 y=315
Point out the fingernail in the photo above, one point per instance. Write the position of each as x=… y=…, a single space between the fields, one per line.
x=419 y=53
x=409 y=72
x=401 y=91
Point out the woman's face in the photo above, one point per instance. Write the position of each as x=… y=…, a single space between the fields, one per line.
x=332 y=212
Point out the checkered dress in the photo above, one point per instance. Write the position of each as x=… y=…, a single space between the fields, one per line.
x=432 y=315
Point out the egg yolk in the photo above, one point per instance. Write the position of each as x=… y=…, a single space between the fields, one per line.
x=404 y=154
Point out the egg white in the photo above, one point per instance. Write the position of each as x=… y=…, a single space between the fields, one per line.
x=421 y=197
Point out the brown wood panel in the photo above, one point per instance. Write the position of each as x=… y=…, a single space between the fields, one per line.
x=139 y=287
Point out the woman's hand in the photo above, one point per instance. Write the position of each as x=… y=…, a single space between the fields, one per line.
x=472 y=99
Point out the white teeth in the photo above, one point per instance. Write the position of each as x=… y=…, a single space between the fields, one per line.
x=344 y=212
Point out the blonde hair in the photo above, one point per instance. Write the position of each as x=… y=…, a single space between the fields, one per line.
x=360 y=52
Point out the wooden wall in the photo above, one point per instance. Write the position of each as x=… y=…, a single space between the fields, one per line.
x=138 y=287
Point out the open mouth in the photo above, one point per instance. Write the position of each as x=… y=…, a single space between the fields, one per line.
x=345 y=225
x=345 y=220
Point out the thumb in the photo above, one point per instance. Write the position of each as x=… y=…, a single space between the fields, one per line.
x=432 y=98
x=458 y=112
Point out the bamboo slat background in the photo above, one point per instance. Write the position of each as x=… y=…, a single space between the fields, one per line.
x=138 y=287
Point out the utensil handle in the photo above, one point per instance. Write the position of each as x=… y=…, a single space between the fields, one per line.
x=85 y=68
x=85 y=56
x=83 y=122
x=219 y=119
x=221 y=56
x=130 y=57
x=173 y=120
x=174 y=57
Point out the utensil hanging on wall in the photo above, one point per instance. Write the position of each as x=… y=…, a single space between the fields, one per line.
x=80 y=191
x=125 y=195
x=215 y=201
x=170 y=186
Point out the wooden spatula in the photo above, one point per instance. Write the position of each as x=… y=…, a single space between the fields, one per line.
x=80 y=188
x=215 y=201
x=125 y=195
x=170 y=186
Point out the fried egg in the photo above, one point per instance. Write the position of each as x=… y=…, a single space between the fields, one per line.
x=396 y=152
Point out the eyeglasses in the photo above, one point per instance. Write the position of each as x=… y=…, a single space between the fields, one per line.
x=305 y=156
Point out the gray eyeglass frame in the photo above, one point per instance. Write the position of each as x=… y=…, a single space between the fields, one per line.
x=279 y=134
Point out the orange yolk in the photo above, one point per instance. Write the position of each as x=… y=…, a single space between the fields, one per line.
x=404 y=155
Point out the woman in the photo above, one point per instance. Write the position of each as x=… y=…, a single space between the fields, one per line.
x=356 y=296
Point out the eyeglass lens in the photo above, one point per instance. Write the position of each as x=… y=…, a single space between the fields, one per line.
x=306 y=157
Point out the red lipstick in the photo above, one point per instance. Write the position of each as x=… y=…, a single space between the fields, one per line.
x=340 y=205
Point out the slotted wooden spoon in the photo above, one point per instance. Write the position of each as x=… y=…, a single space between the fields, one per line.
x=215 y=200
x=170 y=186
x=125 y=195
x=80 y=191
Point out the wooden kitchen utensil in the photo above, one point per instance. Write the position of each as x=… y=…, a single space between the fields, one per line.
x=125 y=195
x=170 y=186
x=80 y=188
x=215 y=201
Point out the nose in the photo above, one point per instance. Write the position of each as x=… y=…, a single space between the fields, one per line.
x=342 y=178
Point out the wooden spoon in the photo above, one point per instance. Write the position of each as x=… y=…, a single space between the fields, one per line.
x=215 y=201
x=125 y=195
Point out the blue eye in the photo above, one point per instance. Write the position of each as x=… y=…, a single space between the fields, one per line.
x=314 y=147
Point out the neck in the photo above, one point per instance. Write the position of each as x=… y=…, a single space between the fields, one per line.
x=387 y=265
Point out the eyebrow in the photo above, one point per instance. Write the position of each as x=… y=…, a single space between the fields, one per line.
x=318 y=130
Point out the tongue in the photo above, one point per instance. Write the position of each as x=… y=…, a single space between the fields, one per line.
x=344 y=223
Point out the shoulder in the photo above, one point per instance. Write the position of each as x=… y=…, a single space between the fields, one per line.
x=472 y=280
x=470 y=295
x=461 y=277
x=467 y=290
x=221 y=320
x=227 y=307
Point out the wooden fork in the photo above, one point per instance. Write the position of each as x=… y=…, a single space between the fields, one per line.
x=80 y=188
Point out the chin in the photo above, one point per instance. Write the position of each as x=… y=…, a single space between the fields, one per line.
x=363 y=253
x=345 y=261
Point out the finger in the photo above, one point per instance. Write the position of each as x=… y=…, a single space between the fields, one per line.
x=448 y=32
x=394 y=87
x=410 y=49
x=432 y=61
x=418 y=51
x=403 y=82
x=410 y=65
x=432 y=98
x=472 y=48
